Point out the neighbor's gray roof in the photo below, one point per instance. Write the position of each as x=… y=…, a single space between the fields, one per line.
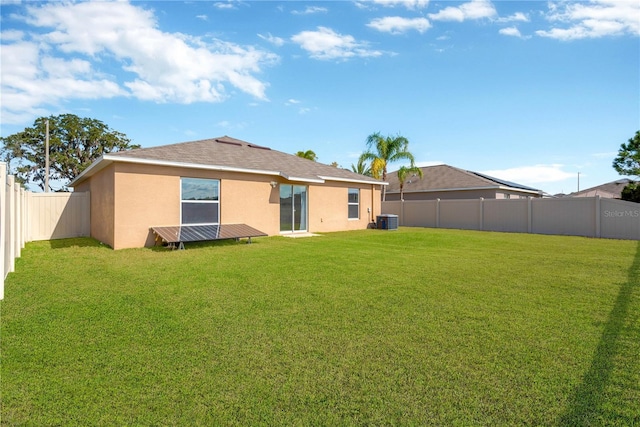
x=449 y=178
x=611 y=190
x=229 y=154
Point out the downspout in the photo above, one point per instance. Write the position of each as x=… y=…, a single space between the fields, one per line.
x=373 y=188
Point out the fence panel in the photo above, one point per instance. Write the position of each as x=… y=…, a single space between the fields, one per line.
x=573 y=216
x=619 y=219
x=4 y=240
x=12 y=239
x=393 y=208
x=59 y=215
x=506 y=215
x=27 y=216
x=584 y=216
x=420 y=214
x=463 y=214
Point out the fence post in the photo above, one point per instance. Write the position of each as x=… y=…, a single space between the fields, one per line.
x=438 y=213
x=17 y=212
x=401 y=212
x=11 y=223
x=597 y=216
x=23 y=200
x=529 y=212
x=481 y=213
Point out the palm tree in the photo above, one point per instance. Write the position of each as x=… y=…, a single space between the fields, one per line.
x=403 y=174
x=388 y=149
x=309 y=155
x=362 y=167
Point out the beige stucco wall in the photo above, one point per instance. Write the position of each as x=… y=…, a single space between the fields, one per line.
x=143 y=198
x=102 y=205
x=130 y=198
x=329 y=209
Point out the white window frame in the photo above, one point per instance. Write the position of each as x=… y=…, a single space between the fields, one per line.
x=217 y=202
x=350 y=203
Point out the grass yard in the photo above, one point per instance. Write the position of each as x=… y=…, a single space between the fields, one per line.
x=407 y=327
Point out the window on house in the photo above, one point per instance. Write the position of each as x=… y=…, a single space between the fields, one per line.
x=199 y=201
x=354 y=203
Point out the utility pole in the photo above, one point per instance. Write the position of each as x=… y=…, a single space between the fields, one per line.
x=46 y=160
x=578 y=182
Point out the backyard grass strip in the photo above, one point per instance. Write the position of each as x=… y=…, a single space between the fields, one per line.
x=409 y=327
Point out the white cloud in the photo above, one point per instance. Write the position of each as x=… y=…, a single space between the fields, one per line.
x=475 y=9
x=301 y=110
x=224 y=5
x=516 y=17
x=399 y=25
x=276 y=41
x=63 y=60
x=597 y=18
x=226 y=124
x=510 y=31
x=326 y=44
x=532 y=174
x=309 y=10
x=203 y=17
x=409 y=4
x=11 y=35
x=31 y=79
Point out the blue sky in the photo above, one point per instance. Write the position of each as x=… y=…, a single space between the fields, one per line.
x=529 y=91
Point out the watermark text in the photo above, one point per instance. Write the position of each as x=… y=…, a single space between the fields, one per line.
x=632 y=213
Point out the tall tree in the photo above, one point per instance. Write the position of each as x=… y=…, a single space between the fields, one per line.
x=628 y=163
x=385 y=150
x=628 y=160
x=404 y=173
x=362 y=167
x=74 y=143
x=309 y=155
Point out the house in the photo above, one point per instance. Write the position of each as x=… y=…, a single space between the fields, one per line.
x=221 y=181
x=448 y=182
x=610 y=190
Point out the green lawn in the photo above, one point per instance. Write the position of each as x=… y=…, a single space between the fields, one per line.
x=407 y=327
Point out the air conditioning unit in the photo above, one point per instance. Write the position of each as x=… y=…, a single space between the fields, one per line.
x=387 y=222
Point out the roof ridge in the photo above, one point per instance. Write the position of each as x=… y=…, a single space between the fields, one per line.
x=143 y=149
x=231 y=154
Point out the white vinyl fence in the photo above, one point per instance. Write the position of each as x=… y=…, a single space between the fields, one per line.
x=584 y=216
x=26 y=216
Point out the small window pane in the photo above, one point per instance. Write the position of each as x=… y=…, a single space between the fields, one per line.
x=199 y=213
x=200 y=189
x=353 y=212
x=354 y=195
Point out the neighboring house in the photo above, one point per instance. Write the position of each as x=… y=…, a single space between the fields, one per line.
x=221 y=181
x=610 y=190
x=448 y=182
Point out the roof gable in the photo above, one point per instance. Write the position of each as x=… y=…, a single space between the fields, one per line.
x=230 y=154
x=611 y=189
x=449 y=178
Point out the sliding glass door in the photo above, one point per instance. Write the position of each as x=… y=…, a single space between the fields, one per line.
x=293 y=207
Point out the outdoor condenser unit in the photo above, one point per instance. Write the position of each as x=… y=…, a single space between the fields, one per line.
x=387 y=222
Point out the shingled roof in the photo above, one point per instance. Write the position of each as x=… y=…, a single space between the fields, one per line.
x=610 y=190
x=445 y=177
x=229 y=154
